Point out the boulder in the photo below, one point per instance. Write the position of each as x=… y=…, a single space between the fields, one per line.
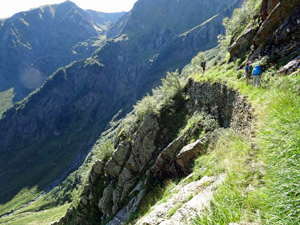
x=98 y=167
x=276 y=18
x=120 y=154
x=242 y=44
x=187 y=155
x=97 y=171
x=163 y=165
x=291 y=66
x=112 y=168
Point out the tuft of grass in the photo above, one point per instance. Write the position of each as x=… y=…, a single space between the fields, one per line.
x=174 y=209
x=158 y=194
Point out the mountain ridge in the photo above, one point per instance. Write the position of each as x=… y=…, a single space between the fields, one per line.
x=65 y=117
x=234 y=147
x=27 y=56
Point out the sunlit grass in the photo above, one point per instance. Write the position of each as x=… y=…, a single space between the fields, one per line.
x=280 y=142
x=24 y=196
x=274 y=196
x=36 y=218
x=6 y=100
x=160 y=193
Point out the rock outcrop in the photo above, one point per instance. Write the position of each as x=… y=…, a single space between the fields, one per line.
x=190 y=199
x=291 y=66
x=277 y=35
x=242 y=44
x=266 y=8
x=116 y=188
x=69 y=112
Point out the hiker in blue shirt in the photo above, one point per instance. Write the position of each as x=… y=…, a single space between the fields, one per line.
x=256 y=73
x=248 y=70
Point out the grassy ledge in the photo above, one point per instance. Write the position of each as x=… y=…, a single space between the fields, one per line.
x=262 y=182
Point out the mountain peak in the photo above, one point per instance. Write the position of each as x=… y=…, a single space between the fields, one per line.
x=67 y=4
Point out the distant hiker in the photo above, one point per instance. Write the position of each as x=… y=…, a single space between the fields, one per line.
x=256 y=73
x=248 y=70
x=203 y=65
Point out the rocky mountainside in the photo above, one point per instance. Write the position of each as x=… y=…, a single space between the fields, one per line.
x=177 y=17
x=277 y=35
x=34 y=44
x=117 y=187
x=61 y=121
x=203 y=118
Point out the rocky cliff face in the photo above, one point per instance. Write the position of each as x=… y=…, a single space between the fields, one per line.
x=117 y=187
x=277 y=35
x=64 y=118
x=36 y=43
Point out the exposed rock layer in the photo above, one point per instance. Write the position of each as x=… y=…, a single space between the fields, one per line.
x=149 y=155
x=74 y=106
x=277 y=36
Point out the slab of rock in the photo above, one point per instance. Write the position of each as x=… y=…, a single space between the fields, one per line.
x=125 y=213
x=201 y=192
x=291 y=66
x=163 y=162
x=98 y=167
x=105 y=201
x=112 y=168
x=242 y=44
x=266 y=8
x=121 y=152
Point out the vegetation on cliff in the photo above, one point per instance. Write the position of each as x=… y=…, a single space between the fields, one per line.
x=260 y=166
x=60 y=122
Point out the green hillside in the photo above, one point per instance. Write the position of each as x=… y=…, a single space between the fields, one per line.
x=48 y=134
x=247 y=138
x=35 y=43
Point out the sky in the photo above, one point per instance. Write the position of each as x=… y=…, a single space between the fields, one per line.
x=11 y=7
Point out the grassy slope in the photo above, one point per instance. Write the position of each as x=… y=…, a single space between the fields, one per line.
x=263 y=169
x=262 y=184
x=46 y=208
x=262 y=181
x=6 y=100
x=32 y=218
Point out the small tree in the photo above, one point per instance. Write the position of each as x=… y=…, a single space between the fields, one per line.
x=241 y=18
